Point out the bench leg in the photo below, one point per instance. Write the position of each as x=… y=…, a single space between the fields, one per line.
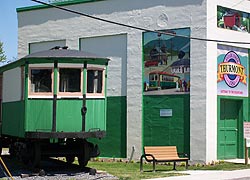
x=141 y=164
x=174 y=165
x=153 y=166
x=187 y=164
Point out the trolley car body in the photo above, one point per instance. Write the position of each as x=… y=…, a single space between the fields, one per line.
x=162 y=80
x=51 y=102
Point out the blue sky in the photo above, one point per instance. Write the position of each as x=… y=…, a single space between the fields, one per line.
x=8 y=28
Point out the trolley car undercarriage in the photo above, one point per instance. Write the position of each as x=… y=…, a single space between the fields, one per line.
x=32 y=150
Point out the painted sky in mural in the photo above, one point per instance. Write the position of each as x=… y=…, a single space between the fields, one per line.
x=232 y=71
x=232 y=19
x=166 y=62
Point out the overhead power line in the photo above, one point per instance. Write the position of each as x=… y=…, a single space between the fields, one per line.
x=136 y=27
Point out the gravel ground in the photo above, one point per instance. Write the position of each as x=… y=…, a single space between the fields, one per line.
x=52 y=169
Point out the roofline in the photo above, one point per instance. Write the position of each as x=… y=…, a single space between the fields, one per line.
x=65 y=3
x=24 y=60
x=12 y=65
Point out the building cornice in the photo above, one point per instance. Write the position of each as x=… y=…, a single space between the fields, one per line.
x=65 y=3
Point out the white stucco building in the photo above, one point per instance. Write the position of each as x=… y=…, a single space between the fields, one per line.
x=192 y=118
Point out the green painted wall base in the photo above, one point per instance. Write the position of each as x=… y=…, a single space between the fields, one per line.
x=114 y=144
x=166 y=131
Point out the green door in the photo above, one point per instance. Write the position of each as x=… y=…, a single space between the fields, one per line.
x=228 y=128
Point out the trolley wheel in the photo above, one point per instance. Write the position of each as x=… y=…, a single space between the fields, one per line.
x=36 y=155
x=26 y=154
x=25 y=161
x=82 y=161
x=83 y=157
x=12 y=151
x=70 y=159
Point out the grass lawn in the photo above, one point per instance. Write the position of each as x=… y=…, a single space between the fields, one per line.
x=131 y=171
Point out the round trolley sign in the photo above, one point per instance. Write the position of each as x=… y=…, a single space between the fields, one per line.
x=232 y=62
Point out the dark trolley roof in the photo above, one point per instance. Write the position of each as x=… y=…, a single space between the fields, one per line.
x=61 y=55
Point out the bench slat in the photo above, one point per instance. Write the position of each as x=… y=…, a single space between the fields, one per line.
x=160 y=147
x=167 y=158
x=160 y=152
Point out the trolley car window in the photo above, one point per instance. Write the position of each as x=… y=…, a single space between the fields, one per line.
x=153 y=77
x=41 y=80
x=94 y=81
x=167 y=78
x=69 y=80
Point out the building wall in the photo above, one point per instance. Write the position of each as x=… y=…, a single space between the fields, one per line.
x=115 y=48
x=52 y=24
x=211 y=70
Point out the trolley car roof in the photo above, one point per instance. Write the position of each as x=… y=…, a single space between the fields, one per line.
x=71 y=55
x=163 y=73
x=59 y=55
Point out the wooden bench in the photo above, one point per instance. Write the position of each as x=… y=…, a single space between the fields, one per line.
x=157 y=154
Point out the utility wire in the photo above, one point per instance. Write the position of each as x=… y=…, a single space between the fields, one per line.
x=136 y=27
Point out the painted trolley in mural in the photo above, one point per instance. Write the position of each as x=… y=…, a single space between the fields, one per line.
x=162 y=80
x=49 y=102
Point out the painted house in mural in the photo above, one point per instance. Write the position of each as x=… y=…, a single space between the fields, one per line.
x=204 y=110
x=231 y=20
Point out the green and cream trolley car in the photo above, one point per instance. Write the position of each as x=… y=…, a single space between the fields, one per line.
x=51 y=102
x=162 y=80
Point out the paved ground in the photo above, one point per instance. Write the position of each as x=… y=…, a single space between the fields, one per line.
x=213 y=175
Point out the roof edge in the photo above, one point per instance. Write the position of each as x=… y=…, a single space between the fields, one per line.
x=65 y=3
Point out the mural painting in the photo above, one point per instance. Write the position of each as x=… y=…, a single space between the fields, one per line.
x=232 y=71
x=167 y=62
x=232 y=19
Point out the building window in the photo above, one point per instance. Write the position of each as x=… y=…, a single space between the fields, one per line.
x=40 y=81
x=70 y=80
x=95 y=81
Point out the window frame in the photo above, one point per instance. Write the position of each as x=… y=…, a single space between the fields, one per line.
x=102 y=94
x=70 y=94
x=43 y=94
